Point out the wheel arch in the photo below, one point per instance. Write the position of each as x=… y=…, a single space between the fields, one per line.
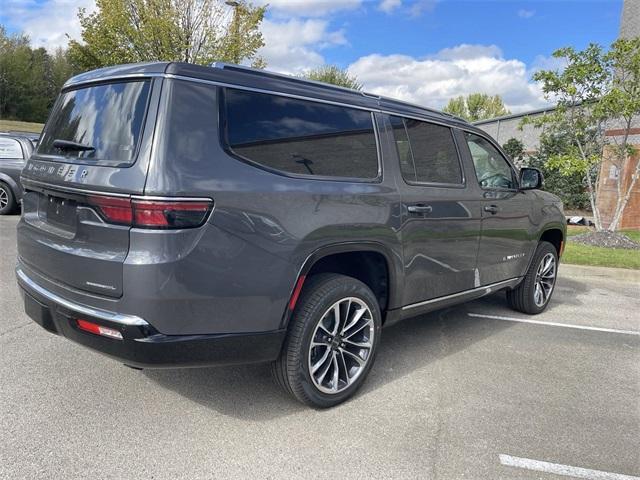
x=336 y=258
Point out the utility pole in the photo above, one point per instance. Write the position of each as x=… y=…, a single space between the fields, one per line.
x=236 y=30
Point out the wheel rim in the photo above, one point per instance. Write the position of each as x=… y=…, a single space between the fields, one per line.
x=341 y=345
x=4 y=198
x=545 y=280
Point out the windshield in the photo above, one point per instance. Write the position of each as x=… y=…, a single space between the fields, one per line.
x=107 y=119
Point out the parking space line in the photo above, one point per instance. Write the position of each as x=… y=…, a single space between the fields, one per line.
x=555 y=324
x=559 y=469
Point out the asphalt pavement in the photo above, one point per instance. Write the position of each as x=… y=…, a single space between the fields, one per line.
x=474 y=392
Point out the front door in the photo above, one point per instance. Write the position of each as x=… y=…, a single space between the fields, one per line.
x=440 y=223
x=508 y=236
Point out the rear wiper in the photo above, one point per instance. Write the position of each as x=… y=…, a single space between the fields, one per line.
x=68 y=145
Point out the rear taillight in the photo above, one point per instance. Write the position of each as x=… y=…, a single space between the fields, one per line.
x=151 y=213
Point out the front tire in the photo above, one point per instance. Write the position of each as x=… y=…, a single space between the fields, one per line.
x=533 y=294
x=7 y=199
x=332 y=341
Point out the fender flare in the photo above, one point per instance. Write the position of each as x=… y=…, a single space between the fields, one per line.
x=345 y=247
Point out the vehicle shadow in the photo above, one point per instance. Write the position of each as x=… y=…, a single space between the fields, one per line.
x=249 y=392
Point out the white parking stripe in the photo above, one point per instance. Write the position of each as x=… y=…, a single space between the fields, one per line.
x=555 y=324
x=558 y=469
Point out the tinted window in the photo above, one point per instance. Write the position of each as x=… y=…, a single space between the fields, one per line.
x=10 y=148
x=432 y=150
x=404 y=149
x=301 y=137
x=492 y=169
x=106 y=117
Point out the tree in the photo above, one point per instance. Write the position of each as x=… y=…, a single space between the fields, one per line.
x=594 y=89
x=195 y=31
x=570 y=188
x=620 y=104
x=477 y=106
x=515 y=149
x=335 y=76
x=29 y=78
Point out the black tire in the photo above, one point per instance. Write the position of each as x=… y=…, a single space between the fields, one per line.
x=292 y=370
x=523 y=297
x=7 y=199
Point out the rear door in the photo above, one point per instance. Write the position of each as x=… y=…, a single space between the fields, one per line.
x=507 y=228
x=440 y=226
x=96 y=141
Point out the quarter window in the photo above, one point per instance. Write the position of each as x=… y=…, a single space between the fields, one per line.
x=10 y=148
x=301 y=137
x=492 y=169
x=427 y=152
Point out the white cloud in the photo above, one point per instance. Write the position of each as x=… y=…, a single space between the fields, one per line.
x=294 y=46
x=524 y=13
x=308 y=8
x=388 y=6
x=460 y=70
x=421 y=6
x=47 y=23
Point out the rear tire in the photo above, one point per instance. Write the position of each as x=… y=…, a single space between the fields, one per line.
x=332 y=369
x=7 y=199
x=534 y=292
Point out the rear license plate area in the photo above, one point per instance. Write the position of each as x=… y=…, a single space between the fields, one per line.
x=61 y=211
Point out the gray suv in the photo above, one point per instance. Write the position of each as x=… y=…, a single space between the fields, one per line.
x=180 y=215
x=15 y=148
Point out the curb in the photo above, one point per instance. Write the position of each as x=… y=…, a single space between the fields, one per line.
x=619 y=274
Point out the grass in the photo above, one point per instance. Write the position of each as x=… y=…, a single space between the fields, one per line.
x=578 y=254
x=22 y=126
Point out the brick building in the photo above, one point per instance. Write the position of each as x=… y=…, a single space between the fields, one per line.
x=508 y=126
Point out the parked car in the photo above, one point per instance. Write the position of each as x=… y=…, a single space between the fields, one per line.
x=15 y=148
x=181 y=215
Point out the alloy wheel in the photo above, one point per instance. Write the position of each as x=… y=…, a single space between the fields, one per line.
x=4 y=198
x=341 y=345
x=545 y=280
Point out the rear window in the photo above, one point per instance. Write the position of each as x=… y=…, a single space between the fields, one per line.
x=10 y=148
x=301 y=137
x=108 y=117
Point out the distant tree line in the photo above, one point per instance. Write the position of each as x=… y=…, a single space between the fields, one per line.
x=30 y=78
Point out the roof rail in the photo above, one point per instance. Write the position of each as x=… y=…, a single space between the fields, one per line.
x=258 y=71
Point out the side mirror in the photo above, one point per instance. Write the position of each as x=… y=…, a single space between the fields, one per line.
x=530 y=178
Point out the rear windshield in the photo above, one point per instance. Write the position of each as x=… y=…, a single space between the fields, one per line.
x=107 y=118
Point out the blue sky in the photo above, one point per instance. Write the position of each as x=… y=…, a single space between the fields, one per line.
x=424 y=51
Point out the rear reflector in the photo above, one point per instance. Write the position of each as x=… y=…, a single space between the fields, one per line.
x=163 y=214
x=98 y=329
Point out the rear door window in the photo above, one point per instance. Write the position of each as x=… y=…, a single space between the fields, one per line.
x=108 y=118
x=427 y=152
x=301 y=137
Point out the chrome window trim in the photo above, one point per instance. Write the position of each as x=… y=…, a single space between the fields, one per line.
x=122 y=319
x=425 y=118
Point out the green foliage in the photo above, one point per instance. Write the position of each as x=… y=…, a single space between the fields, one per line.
x=29 y=78
x=515 y=149
x=195 y=31
x=335 y=76
x=568 y=185
x=477 y=106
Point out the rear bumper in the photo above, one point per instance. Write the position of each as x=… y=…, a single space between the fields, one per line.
x=142 y=345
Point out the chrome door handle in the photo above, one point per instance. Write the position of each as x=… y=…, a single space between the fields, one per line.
x=419 y=209
x=492 y=209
